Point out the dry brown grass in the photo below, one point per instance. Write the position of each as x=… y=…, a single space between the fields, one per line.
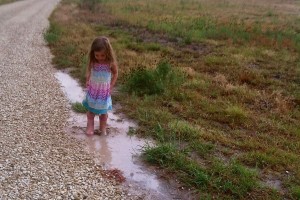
x=240 y=96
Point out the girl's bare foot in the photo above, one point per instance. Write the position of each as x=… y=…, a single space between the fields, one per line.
x=89 y=130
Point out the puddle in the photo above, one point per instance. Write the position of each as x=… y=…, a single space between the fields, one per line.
x=117 y=149
x=273 y=182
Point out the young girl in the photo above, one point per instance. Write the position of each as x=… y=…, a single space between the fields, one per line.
x=101 y=76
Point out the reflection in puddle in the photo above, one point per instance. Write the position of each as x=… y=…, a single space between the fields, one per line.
x=71 y=87
x=117 y=149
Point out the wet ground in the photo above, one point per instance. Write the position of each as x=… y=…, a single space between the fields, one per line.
x=118 y=150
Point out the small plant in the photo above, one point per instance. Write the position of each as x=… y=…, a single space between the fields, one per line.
x=202 y=148
x=167 y=155
x=149 y=82
x=153 y=46
x=131 y=131
x=90 y=4
x=53 y=33
x=83 y=65
x=78 y=107
x=296 y=192
x=183 y=130
x=234 y=178
x=236 y=113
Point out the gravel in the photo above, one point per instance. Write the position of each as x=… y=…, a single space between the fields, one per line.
x=38 y=160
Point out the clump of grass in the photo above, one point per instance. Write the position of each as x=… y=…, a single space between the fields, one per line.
x=135 y=47
x=6 y=1
x=62 y=61
x=234 y=178
x=153 y=46
x=89 y=4
x=257 y=159
x=141 y=47
x=236 y=113
x=144 y=82
x=296 y=192
x=183 y=130
x=78 y=107
x=167 y=155
x=53 y=34
x=149 y=82
x=202 y=148
x=83 y=64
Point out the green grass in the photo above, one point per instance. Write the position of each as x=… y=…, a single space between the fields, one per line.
x=78 y=107
x=232 y=179
x=236 y=113
x=52 y=36
x=183 y=130
x=296 y=192
x=140 y=47
x=202 y=148
x=6 y=1
x=194 y=25
x=153 y=81
x=216 y=87
x=167 y=155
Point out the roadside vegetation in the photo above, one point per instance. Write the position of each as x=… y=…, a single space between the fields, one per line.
x=215 y=83
x=6 y=1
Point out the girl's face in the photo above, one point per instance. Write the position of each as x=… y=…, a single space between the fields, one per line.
x=100 y=56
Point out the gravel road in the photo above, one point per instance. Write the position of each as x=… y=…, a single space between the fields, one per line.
x=38 y=160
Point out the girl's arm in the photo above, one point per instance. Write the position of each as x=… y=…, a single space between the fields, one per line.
x=88 y=75
x=114 y=72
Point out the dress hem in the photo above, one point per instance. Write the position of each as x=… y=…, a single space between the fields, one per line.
x=96 y=111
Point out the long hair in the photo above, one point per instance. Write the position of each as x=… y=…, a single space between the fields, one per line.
x=101 y=44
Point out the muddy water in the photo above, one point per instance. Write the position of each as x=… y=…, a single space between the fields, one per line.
x=117 y=149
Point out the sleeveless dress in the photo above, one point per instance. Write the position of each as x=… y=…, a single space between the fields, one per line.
x=98 y=97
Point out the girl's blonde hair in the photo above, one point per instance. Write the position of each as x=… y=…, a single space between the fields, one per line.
x=101 y=44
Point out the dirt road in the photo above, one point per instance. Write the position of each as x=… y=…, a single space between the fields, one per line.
x=37 y=158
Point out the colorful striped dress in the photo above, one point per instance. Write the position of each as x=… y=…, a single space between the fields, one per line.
x=98 y=97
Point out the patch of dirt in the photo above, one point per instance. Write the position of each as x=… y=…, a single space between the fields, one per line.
x=101 y=17
x=114 y=174
x=66 y=12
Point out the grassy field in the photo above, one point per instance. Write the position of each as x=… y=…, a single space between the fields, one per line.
x=216 y=83
x=6 y=1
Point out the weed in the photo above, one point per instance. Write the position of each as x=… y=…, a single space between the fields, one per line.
x=234 y=178
x=296 y=191
x=152 y=46
x=168 y=156
x=143 y=81
x=236 y=113
x=62 y=62
x=6 y=1
x=53 y=33
x=131 y=131
x=202 y=148
x=69 y=49
x=183 y=130
x=78 y=107
x=83 y=65
x=90 y=4
x=149 y=82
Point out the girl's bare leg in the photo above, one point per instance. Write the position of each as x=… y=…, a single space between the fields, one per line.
x=90 y=123
x=103 y=123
